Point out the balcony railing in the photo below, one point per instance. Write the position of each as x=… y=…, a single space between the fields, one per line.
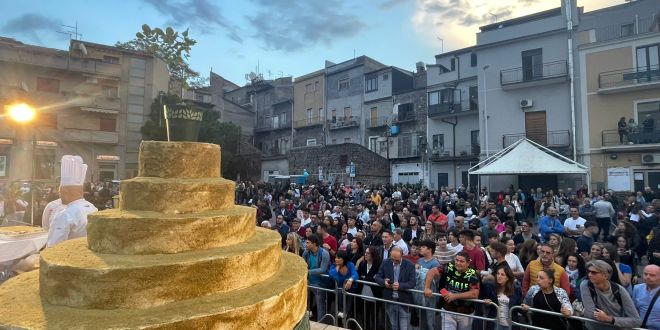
x=308 y=122
x=273 y=151
x=465 y=151
x=548 y=70
x=629 y=77
x=268 y=124
x=344 y=122
x=551 y=139
x=404 y=117
x=452 y=108
x=377 y=121
x=80 y=135
x=404 y=153
x=638 y=137
x=616 y=31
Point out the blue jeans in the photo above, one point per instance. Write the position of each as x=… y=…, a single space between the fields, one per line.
x=428 y=317
x=320 y=299
x=399 y=316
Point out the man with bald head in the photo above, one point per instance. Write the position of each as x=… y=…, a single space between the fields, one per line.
x=645 y=297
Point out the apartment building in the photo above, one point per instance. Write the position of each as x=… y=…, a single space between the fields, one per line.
x=524 y=90
x=309 y=122
x=453 y=118
x=92 y=101
x=619 y=51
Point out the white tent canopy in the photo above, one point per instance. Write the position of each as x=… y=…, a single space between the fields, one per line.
x=527 y=157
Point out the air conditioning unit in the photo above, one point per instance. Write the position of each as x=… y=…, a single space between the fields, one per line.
x=650 y=159
x=526 y=103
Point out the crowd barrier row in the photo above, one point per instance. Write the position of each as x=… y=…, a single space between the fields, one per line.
x=382 y=322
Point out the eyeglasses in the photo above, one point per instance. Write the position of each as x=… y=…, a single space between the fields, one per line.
x=593 y=272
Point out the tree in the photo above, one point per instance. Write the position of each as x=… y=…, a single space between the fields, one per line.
x=171 y=46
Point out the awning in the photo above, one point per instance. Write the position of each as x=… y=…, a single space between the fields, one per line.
x=527 y=157
x=110 y=111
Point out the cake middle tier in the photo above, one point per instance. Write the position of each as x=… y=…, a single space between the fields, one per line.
x=176 y=196
x=146 y=232
x=71 y=275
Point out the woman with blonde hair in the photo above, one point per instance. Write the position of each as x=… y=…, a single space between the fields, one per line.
x=293 y=244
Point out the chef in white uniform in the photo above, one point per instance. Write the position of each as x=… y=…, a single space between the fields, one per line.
x=71 y=221
x=52 y=208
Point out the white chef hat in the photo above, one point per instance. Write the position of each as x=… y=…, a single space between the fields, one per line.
x=72 y=171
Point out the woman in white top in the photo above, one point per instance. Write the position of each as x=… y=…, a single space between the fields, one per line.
x=513 y=260
x=508 y=295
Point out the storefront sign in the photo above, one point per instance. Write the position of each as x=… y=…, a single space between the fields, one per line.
x=107 y=157
x=47 y=144
x=618 y=179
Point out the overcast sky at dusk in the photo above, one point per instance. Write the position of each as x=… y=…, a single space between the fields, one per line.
x=285 y=37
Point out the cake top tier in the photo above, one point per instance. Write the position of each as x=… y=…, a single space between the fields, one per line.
x=190 y=160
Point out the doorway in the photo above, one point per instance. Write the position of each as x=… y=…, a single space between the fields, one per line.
x=536 y=128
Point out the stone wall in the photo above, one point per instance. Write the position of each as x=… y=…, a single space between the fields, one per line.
x=370 y=167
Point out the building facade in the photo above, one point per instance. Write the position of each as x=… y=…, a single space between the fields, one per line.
x=309 y=122
x=92 y=101
x=453 y=118
x=619 y=51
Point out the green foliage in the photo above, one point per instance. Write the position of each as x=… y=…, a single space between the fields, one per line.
x=173 y=47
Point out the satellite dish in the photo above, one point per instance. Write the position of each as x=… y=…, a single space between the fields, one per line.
x=24 y=86
x=252 y=75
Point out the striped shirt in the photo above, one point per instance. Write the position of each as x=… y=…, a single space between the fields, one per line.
x=445 y=257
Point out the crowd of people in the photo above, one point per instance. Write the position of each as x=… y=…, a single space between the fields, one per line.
x=573 y=252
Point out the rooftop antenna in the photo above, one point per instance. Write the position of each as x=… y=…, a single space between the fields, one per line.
x=270 y=74
x=71 y=31
x=442 y=44
x=493 y=16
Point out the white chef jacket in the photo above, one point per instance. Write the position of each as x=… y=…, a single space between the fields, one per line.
x=70 y=222
x=50 y=212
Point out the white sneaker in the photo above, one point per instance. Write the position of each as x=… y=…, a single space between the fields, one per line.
x=340 y=315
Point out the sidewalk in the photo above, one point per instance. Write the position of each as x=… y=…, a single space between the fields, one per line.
x=320 y=326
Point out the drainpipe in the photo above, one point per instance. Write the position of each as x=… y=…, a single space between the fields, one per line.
x=571 y=74
x=453 y=130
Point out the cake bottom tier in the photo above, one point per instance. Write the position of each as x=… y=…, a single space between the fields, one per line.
x=276 y=303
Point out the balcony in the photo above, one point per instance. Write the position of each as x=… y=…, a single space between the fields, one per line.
x=404 y=117
x=273 y=151
x=80 y=135
x=344 y=122
x=59 y=60
x=637 y=140
x=375 y=122
x=640 y=26
x=308 y=122
x=452 y=109
x=111 y=105
x=547 y=73
x=558 y=140
x=461 y=152
x=629 y=80
x=406 y=153
x=271 y=124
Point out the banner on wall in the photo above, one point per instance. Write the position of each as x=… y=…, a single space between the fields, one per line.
x=618 y=179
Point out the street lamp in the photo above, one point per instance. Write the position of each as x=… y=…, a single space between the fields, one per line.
x=23 y=114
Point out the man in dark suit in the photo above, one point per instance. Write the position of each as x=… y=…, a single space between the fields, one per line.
x=413 y=230
x=397 y=275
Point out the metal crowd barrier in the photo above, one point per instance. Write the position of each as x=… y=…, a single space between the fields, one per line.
x=352 y=320
x=542 y=311
x=334 y=292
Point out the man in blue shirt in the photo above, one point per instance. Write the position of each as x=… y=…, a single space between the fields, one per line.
x=317 y=260
x=550 y=224
x=643 y=296
x=426 y=262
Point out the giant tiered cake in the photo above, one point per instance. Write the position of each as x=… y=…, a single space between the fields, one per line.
x=177 y=254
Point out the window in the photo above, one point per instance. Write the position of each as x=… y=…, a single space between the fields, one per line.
x=406 y=112
x=453 y=64
x=348 y=112
x=108 y=125
x=627 y=29
x=283 y=119
x=407 y=145
x=111 y=59
x=309 y=116
x=110 y=91
x=373 y=143
x=438 y=141
x=474 y=97
x=651 y=109
x=532 y=64
x=316 y=85
x=309 y=88
x=347 y=140
x=344 y=84
x=334 y=116
x=310 y=142
x=447 y=96
x=475 y=144
x=371 y=84
x=320 y=113
x=648 y=58
x=473 y=60
x=434 y=98
x=48 y=85
x=386 y=76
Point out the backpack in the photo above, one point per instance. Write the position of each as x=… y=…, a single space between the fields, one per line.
x=615 y=291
